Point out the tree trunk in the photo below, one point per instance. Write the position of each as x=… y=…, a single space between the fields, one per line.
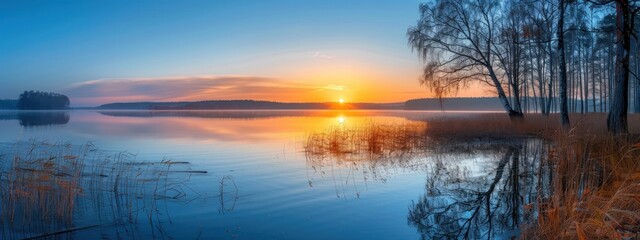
x=601 y=83
x=564 y=109
x=637 y=85
x=503 y=98
x=593 y=82
x=617 y=120
x=515 y=74
x=551 y=76
x=539 y=67
x=637 y=97
x=580 y=78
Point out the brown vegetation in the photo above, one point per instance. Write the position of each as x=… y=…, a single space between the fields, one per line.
x=596 y=189
x=534 y=125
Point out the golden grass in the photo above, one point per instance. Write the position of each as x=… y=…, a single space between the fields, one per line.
x=497 y=125
x=596 y=191
x=369 y=141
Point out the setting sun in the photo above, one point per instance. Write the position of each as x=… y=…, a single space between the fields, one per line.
x=341 y=100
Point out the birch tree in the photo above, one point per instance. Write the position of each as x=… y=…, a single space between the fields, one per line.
x=458 y=40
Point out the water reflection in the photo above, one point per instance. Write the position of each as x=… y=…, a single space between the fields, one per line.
x=32 y=119
x=260 y=114
x=462 y=206
x=473 y=190
x=228 y=125
x=382 y=158
x=240 y=126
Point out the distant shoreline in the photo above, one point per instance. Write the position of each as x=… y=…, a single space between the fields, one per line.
x=243 y=110
x=422 y=104
x=457 y=104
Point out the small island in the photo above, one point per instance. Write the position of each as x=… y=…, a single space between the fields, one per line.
x=37 y=100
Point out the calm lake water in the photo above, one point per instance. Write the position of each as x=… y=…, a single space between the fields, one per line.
x=248 y=177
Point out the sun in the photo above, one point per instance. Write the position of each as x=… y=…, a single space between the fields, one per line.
x=341 y=100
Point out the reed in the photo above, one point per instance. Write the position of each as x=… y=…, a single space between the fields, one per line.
x=499 y=126
x=596 y=189
x=368 y=141
x=53 y=190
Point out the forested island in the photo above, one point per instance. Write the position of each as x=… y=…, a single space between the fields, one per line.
x=37 y=100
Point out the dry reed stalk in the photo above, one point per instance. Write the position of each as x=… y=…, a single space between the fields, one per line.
x=596 y=189
x=368 y=141
x=45 y=188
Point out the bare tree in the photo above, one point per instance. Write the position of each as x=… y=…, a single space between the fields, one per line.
x=539 y=34
x=510 y=50
x=556 y=55
x=458 y=40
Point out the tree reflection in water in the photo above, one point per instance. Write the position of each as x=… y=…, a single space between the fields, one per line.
x=37 y=118
x=464 y=198
x=484 y=207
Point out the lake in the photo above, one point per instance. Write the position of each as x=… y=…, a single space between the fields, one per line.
x=249 y=175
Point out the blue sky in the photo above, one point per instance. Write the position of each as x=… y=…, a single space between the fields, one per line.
x=58 y=45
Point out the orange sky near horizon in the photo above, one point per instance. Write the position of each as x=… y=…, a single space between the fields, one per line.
x=303 y=79
x=318 y=87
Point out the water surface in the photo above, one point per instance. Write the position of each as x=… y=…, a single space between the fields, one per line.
x=248 y=177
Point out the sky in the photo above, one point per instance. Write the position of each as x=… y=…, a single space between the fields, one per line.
x=98 y=52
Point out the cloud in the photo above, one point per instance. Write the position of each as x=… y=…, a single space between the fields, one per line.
x=322 y=55
x=334 y=87
x=190 y=89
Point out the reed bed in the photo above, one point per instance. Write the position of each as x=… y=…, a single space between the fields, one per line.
x=596 y=190
x=53 y=190
x=499 y=126
x=368 y=141
x=352 y=155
